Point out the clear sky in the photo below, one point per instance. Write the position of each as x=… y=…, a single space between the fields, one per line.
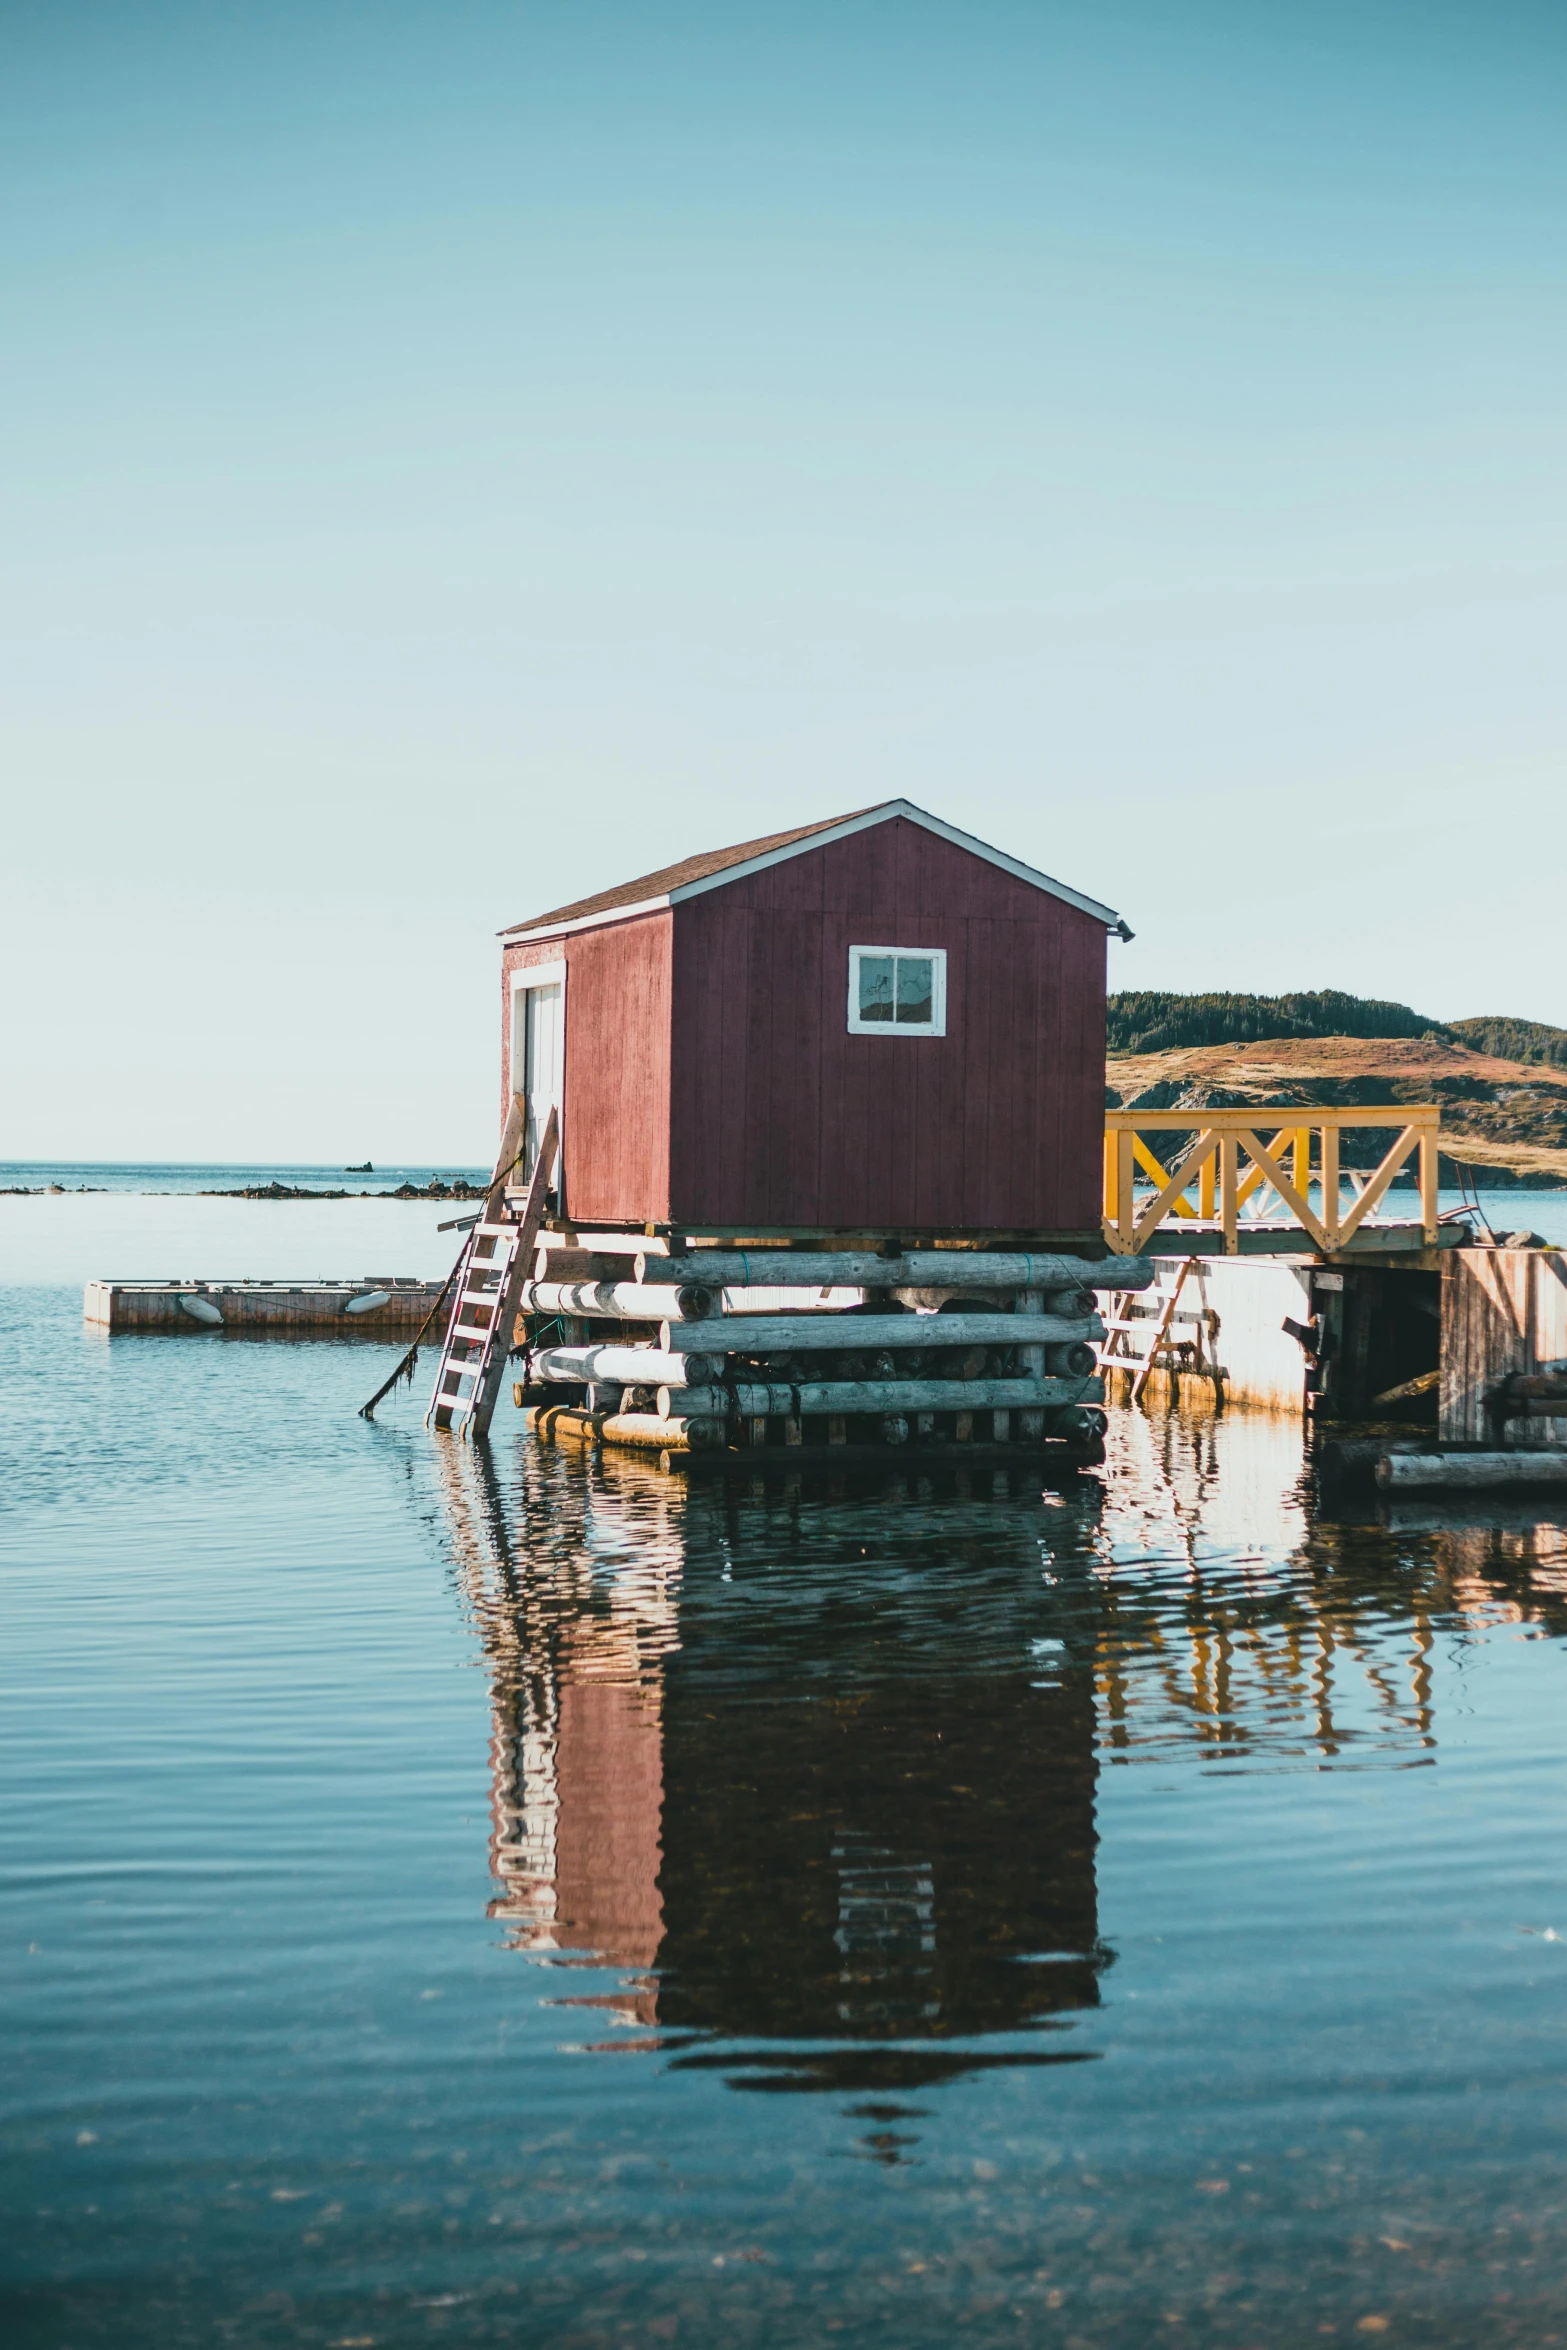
x=458 y=456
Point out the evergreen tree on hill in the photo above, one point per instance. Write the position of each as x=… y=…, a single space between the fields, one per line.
x=1148 y=1020
x=1515 y=1040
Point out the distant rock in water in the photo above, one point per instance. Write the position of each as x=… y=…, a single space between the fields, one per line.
x=274 y=1191
x=366 y=1169
x=436 y=1189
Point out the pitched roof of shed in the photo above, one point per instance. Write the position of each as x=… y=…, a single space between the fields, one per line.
x=713 y=867
x=673 y=877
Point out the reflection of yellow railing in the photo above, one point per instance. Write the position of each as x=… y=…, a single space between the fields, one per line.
x=1229 y=1165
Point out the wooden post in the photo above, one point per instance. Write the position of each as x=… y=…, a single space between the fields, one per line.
x=1301 y=1171
x=1205 y=1190
x=513 y=1135
x=1229 y=1157
x=1031 y=1359
x=1125 y=1214
x=1429 y=1164
x=1330 y=1184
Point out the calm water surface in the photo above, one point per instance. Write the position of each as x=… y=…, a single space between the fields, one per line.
x=183 y=1178
x=457 y=1902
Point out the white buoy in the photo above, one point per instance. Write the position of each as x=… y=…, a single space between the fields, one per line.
x=200 y=1309
x=369 y=1303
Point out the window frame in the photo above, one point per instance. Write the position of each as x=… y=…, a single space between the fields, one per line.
x=936 y=1025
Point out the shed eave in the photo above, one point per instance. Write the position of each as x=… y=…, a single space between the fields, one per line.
x=599 y=921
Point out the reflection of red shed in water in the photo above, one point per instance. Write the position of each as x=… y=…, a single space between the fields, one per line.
x=874 y=1023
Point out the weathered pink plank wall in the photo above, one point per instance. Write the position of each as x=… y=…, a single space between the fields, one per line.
x=615 y=1119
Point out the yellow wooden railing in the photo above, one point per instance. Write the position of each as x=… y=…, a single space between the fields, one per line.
x=1229 y=1165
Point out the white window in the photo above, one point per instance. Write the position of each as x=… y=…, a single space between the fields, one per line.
x=897 y=991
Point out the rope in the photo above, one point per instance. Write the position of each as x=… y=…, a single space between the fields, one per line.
x=410 y=1362
x=540 y=1330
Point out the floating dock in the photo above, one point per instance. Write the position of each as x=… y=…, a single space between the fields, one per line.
x=374 y=1306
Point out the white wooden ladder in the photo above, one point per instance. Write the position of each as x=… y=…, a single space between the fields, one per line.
x=494 y=1266
x=1142 y=1329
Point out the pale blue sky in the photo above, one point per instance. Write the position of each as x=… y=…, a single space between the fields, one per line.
x=456 y=457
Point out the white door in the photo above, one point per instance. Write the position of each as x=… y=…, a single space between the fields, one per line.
x=541 y=1060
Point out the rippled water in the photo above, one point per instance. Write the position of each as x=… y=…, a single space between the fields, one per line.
x=460 y=1901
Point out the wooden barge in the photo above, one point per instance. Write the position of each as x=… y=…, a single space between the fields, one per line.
x=375 y=1306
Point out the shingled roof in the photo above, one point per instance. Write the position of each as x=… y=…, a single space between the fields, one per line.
x=708 y=870
x=672 y=877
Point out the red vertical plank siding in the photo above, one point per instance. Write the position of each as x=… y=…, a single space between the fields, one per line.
x=617 y=1064
x=779 y=1116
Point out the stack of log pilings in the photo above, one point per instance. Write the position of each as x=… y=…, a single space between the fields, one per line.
x=689 y=1349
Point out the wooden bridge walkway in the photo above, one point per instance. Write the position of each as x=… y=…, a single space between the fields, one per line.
x=1261 y=1180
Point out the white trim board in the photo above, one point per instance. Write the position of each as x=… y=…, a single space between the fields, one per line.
x=821 y=840
x=526 y=975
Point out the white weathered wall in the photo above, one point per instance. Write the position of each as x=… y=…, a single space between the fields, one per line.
x=1262 y=1364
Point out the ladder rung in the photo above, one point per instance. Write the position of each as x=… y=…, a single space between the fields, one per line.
x=1151 y=1321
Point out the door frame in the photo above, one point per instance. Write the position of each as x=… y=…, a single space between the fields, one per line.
x=524 y=977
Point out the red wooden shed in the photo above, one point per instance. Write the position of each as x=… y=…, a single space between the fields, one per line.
x=875 y=1024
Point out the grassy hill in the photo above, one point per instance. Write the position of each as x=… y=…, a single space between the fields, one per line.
x=1501 y=1083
